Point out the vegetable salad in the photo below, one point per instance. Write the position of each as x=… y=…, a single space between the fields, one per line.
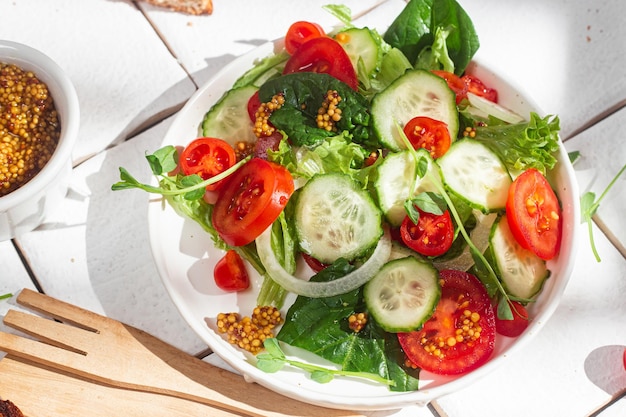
x=420 y=205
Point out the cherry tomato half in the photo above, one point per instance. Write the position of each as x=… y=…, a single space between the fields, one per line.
x=534 y=215
x=250 y=201
x=230 y=273
x=460 y=335
x=476 y=86
x=455 y=83
x=430 y=134
x=323 y=55
x=300 y=32
x=431 y=236
x=515 y=327
x=254 y=102
x=207 y=157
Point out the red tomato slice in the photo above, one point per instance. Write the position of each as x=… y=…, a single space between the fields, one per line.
x=534 y=214
x=431 y=236
x=313 y=263
x=230 y=273
x=323 y=55
x=460 y=336
x=253 y=105
x=251 y=200
x=455 y=83
x=430 y=134
x=515 y=327
x=476 y=86
x=207 y=157
x=300 y=32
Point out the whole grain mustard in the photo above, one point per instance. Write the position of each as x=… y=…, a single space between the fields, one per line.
x=29 y=127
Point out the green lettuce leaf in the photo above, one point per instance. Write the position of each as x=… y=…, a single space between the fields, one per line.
x=525 y=145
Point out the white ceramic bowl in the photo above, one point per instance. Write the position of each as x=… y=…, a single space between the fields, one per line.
x=185 y=257
x=25 y=208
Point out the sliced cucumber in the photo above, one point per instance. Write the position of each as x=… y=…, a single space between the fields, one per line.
x=336 y=218
x=521 y=271
x=361 y=46
x=415 y=93
x=397 y=180
x=228 y=119
x=476 y=174
x=403 y=294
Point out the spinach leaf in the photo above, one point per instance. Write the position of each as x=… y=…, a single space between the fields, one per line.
x=320 y=325
x=304 y=93
x=415 y=27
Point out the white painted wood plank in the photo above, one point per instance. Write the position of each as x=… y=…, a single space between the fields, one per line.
x=123 y=73
x=95 y=252
x=205 y=44
x=13 y=277
x=603 y=154
x=568 y=54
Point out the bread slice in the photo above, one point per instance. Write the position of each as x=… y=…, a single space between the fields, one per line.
x=8 y=409
x=195 y=7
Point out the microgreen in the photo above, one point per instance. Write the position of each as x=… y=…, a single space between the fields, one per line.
x=5 y=296
x=162 y=162
x=273 y=360
x=589 y=206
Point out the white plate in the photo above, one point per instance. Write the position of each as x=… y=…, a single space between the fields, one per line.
x=185 y=257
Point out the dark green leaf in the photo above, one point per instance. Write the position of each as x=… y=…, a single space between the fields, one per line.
x=574 y=156
x=320 y=326
x=413 y=30
x=304 y=93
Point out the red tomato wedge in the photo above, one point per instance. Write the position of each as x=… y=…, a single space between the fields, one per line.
x=430 y=134
x=534 y=214
x=431 y=236
x=313 y=263
x=300 y=32
x=460 y=335
x=250 y=201
x=230 y=273
x=207 y=157
x=455 y=83
x=323 y=55
x=476 y=86
x=515 y=327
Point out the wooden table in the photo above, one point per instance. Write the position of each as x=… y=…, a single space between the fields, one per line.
x=135 y=65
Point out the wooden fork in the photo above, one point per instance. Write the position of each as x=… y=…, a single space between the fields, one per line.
x=107 y=351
